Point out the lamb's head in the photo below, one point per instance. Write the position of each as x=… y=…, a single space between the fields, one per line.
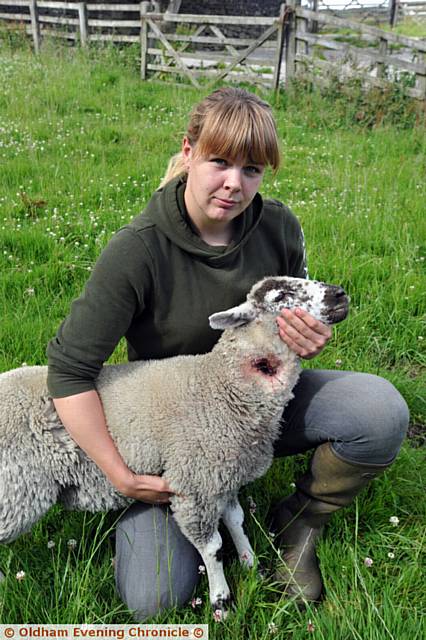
x=326 y=302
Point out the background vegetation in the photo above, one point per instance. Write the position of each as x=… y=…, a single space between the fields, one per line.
x=83 y=144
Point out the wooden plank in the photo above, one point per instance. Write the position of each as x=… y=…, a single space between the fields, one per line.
x=198 y=39
x=325 y=18
x=113 y=37
x=228 y=20
x=264 y=78
x=19 y=17
x=17 y=3
x=99 y=6
x=58 y=20
x=64 y=35
x=48 y=4
x=175 y=55
x=219 y=56
x=95 y=22
x=242 y=56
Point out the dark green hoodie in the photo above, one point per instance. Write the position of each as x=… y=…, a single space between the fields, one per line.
x=157 y=281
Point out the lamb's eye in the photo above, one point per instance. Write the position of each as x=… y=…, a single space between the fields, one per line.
x=280 y=296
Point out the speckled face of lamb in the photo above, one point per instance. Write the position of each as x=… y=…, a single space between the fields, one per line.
x=326 y=302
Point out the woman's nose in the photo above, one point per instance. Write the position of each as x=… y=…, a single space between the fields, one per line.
x=233 y=179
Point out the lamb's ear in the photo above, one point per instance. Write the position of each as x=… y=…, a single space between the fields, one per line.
x=234 y=317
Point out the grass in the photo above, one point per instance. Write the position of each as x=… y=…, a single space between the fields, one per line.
x=83 y=143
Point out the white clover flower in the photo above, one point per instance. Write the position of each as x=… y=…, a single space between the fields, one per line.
x=394 y=520
x=30 y=291
x=338 y=363
x=71 y=544
x=368 y=562
x=272 y=628
x=201 y=569
x=50 y=544
x=20 y=575
x=391 y=555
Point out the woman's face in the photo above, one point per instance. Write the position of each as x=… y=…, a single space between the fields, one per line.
x=218 y=189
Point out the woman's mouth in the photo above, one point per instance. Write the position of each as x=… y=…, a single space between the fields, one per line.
x=226 y=204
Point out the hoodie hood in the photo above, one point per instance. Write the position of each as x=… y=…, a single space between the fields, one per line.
x=166 y=210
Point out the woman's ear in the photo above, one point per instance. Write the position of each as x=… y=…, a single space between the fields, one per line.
x=186 y=152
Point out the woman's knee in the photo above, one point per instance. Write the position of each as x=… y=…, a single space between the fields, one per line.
x=156 y=567
x=376 y=420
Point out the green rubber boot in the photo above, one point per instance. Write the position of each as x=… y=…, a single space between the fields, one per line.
x=298 y=520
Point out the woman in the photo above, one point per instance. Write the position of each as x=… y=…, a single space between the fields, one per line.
x=204 y=238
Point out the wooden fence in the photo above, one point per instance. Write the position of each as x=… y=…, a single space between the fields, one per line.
x=198 y=49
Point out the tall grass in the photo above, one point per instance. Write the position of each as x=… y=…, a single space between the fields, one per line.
x=83 y=144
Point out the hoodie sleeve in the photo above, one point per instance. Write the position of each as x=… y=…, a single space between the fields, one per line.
x=116 y=291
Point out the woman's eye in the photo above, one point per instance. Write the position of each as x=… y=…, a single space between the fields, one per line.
x=252 y=170
x=219 y=161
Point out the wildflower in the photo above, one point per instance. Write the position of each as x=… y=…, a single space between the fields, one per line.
x=20 y=575
x=217 y=615
x=195 y=602
x=391 y=555
x=310 y=626
x=394 y=520
x=50 y=544
x=252 y=505
x=293 y=485
x=338 y=363
x=72 y=543
x=201 y=570
x=30 y=291
x=368 y=562
x=272 y=628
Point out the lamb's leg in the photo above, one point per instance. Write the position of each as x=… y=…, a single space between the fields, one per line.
x=220 y=595
x=233 y=518
x=198 y=520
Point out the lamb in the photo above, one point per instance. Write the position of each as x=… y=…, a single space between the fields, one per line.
x=207 y=422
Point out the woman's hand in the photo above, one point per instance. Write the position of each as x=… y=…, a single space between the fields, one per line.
x=151 y=489
x=303 y=333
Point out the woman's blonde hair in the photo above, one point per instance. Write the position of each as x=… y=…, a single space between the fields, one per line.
x=230 y=123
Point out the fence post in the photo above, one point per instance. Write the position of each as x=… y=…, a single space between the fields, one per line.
x=144 y=39
x=84 y=23
x=383 y=49
x=279 y=51
x=393 y=13
x=290 y=43
x=421 y=79
x=35 y=25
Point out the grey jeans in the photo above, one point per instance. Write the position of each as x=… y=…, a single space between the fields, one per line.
x=364 y=417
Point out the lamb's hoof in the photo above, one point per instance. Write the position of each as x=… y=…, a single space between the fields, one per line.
x=221 y=608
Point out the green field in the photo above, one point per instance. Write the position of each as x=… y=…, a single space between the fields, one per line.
x=83 y=143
